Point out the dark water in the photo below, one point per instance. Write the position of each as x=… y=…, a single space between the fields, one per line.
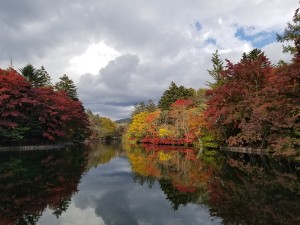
x=113 y=184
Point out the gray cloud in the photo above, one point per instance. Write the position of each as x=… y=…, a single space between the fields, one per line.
x=159 y=42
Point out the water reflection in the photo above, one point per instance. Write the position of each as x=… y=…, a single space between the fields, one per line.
x=238 y=188
x=111 y=184
x=100 y=153
x=31 y=182
x=256 y=190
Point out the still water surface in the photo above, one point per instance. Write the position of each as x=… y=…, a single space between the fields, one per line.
x=112 y=184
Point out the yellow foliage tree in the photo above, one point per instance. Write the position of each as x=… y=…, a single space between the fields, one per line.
x=143 y=124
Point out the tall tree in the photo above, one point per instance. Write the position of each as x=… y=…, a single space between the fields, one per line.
x=66 y=84
x=42 y=78
x=28 y=72
x=291 y=33
x=172 y=94
x=215 y=73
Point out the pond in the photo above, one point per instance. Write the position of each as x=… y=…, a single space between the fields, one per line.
x=112 y=184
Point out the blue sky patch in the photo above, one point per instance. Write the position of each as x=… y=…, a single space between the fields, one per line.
x=211 y=41
x=198 y=26
x=258 y=40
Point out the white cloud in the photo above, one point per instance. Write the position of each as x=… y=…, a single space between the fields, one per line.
x=73 y=216
x=96 y=56
x=274 y=53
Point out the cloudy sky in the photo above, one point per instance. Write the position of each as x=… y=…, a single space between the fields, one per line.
x=122 y=52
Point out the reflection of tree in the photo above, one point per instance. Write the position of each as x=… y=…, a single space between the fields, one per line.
x=253 y=190
x=239 y=189
x=140 y=179
x=29 y=219
x=30 y=182
x=176 y=197
x=180 y=175
x=99 y=153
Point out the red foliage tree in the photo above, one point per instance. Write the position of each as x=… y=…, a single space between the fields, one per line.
x=60 y=115
x=231 y=105
x=38 y=113
x=279 y=109
x=16 y=102
x=258 y=105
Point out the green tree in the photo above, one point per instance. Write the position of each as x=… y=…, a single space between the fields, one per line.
x=37 y=77
x=149 y=106
x=291 y=34
x=28 y=72
x=215 y=73
x=172 y=94
x=108 y=127
x=66 y=84
x=138 y=108
x=42 y=78
x=252 y=55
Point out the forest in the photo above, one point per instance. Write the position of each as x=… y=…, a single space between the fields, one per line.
x=252 y=103
x=32 y=110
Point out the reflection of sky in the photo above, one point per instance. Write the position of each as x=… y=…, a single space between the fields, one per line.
x=107 y=195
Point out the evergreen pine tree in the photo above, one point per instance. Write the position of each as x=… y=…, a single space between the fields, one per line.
x=172 y=94
x=291 y=33
x=215 y=73
x=66 y=84
x=37 y=77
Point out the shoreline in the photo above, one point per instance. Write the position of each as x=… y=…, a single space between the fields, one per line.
x=33 y=147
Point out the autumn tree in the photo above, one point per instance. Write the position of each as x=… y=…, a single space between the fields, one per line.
x=108 y=127
x=17 y=101
x=61 y=116
x=143 y=125
x=38 y=113
x=200 y=98
x=230 y=106
x=101 y=127
x=180 y=114
x=277 y=116
x=280 y=106
x=67 y=85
